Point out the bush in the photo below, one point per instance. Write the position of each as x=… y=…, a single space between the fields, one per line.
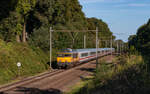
x=131 y=77
x=33 y=61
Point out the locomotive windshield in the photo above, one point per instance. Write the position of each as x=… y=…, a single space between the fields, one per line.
x=64 y=55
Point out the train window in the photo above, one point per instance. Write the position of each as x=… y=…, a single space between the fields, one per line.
x=92 y=53
x=84 y=54
x=64 y=55
x=67 y=55
x=99 y=51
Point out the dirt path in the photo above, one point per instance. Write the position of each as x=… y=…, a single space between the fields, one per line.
x=58 y=83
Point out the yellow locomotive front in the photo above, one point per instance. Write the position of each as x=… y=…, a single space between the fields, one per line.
x=66 y=59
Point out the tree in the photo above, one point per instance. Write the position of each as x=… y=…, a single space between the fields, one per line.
x=62 y=15
x=104 y=32
x=141 y=41
x=9 y=28
x=23 y=9
x=36 y=16
x=132 y=40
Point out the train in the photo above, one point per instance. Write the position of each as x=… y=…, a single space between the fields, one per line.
x=72 y=57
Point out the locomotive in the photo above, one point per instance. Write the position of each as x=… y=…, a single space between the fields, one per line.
x=73 y=57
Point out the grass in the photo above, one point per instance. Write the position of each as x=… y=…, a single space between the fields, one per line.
x=81 y=85
x=126 y=75
x=33 y=61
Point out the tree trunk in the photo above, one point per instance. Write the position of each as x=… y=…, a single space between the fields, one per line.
x=18 y=38
x=24 y=33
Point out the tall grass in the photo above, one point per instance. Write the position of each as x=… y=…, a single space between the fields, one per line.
x=126 y=75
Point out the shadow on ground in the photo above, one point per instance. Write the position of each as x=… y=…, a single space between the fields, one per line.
x=54 y=64
x=35 y=91
x=87 y=69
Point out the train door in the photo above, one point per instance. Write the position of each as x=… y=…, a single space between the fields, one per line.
x=75 y=58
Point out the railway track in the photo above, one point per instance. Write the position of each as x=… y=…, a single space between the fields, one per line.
x=29 y=80
x=36 y=78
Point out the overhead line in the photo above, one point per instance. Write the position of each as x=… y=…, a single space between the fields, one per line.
x=74 y=30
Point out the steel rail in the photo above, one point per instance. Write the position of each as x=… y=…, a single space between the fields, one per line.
x=29 y=80
x=40 y=77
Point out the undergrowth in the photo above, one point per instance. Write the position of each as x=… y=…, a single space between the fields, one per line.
x=126 y=75
x=33 y=61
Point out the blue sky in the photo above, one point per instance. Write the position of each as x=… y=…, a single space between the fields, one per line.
x=124 y=17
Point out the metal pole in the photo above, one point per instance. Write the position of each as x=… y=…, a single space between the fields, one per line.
x=98 y=43
x=18 y=71
x=84 y=41
x=117 y=48
x=50 y=48
x=105 y=46
x=120 y=48
x=105 y=43
x=96 y=47
x=111 y=46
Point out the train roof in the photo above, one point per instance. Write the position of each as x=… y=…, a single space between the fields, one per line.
x=84 y=50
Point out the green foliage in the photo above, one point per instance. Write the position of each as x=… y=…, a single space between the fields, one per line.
x=130 y=77
x=25 y=6
x=103 y=28
x=33 y=61
x=104 y=31
x=35 y=17
x=141 y=41
x=39 y=15
x=64 y=15
x=13 y=24
x=40 y=38
x=61 y=15
x=9 y=27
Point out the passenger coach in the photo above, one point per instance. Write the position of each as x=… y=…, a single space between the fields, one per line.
x=72 y=57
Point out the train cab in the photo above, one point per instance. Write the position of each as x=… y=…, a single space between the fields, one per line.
x=67 y=59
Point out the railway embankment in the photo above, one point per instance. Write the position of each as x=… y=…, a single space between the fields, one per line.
x=33 y=61
x=124 y=75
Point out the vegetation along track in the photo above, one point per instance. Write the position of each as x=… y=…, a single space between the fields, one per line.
x=35 y=78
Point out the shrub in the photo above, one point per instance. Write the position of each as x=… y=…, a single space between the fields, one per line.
x=33 y=60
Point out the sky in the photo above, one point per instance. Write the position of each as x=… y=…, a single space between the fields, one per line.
x=124 y=17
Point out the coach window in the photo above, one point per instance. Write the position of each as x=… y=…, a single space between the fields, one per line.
x=92 y=53
x=84 y=54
